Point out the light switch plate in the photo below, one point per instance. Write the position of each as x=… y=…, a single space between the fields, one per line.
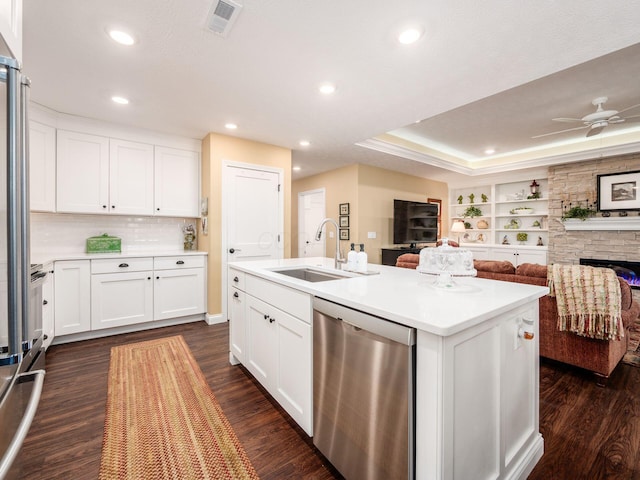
x=371 y=234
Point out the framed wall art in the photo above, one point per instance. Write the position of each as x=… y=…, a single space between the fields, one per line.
x=344 y=234
x=344 y=209
x=619 y=191
x=344 y=221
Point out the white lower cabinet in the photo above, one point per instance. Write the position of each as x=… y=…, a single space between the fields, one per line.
x=92 y=295
x=72 y=287
x=119 y=299
x=48 y=304
x=236 y=308
x=179 y=286
x=520 y=256
x=274 y=345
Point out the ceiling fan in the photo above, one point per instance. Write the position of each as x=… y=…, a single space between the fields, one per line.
x=596 y=121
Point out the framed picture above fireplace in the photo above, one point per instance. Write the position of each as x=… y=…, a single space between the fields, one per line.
x=619 y=191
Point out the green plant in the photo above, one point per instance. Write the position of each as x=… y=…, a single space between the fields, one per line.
x=579 y=212
x=472 y=212
x=522 y=237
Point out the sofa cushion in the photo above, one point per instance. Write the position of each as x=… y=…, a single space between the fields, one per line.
x=532 y=270
x=408 y=260
x=494 y=266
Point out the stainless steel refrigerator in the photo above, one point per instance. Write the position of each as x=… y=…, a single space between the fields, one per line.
x=21 y=336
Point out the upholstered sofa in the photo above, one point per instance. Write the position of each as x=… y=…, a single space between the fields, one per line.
x=598 y=356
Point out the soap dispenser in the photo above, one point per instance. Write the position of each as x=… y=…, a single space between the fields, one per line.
x=352 y=259
x=362 y=260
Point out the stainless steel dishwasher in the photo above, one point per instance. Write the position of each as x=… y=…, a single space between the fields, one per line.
x=363 y=393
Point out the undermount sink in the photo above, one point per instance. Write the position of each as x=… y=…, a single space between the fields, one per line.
x=310 y=274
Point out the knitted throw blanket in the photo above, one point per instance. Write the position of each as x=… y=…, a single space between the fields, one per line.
x=588 y=300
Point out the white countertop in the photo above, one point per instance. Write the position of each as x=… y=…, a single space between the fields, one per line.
x=53 y=257
x=406 y=296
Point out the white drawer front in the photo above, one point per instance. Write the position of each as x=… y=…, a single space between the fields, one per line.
x=237 y=279
x=179 y=261
x=286 y=299
x=121 y=265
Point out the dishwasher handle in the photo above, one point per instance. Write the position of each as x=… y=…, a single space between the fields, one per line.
x=370 y=323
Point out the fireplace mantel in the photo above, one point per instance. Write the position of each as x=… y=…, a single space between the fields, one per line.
x=603 y=223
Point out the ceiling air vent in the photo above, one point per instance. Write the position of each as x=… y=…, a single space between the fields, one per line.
x=222 y=16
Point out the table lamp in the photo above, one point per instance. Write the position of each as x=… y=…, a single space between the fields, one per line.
x=458 y=227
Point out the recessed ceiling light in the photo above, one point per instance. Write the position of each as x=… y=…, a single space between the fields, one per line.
x=296 y=169
x=409 y=36
x=120 y=100
x=490 y=151
x=304 y=143
x=230 y=126
x=123 y=38
x=327 y=88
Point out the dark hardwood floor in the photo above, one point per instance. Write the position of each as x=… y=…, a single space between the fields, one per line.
x=590 y=432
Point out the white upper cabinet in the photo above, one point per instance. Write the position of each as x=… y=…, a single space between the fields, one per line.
x=82 y=173
x=131 y=178
x=11 y=26
x=42 y=167
x=177 y=183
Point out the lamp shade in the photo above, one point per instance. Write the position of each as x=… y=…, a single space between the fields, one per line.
x=458 y=227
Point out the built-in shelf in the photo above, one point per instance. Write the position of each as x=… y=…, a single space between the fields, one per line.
x=602 y=223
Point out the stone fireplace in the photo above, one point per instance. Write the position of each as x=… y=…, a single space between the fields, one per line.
x=576 y=182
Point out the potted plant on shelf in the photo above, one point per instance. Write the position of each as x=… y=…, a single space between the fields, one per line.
x=522 y=237
x=578 y=211
x=472 y=212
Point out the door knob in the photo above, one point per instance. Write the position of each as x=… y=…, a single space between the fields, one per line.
x=231 y=250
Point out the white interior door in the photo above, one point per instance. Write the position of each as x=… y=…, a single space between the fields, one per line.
x=311 y=211
x=253 y=214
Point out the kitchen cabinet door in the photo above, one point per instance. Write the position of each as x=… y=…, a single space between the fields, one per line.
x=82 y=173
x=130 y=178
x=237 y=323
x=42 y=167
x=119 y=299
x=278 y=355
x=292 y=377
x=11 y=26
x=260 y=347
x=177 y=183
x=520 y=256
x=178 y=293
x=48 y=327
x=72 y=291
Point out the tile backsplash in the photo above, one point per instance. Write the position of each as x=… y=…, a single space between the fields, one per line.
x=60 y=234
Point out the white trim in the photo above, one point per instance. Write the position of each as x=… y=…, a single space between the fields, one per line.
x=214 y=319
x=391 y=149
x=604 y=223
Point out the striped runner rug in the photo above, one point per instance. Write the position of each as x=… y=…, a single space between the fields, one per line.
x=162 y=419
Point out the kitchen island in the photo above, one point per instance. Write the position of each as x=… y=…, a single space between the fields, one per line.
x=476 y=391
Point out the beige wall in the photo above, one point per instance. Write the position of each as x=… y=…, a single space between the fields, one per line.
x=215 y=149
x=370 y=192
x=341 y=186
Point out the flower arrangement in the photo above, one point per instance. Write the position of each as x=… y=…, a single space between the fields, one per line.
x=522 y=236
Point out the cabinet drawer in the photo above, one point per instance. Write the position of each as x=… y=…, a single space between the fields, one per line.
x=286 y=299
x=237 y=279
x=121 y=265
x=179 y=261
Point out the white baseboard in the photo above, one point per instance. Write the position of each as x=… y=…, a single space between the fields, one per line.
x=214 y=319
